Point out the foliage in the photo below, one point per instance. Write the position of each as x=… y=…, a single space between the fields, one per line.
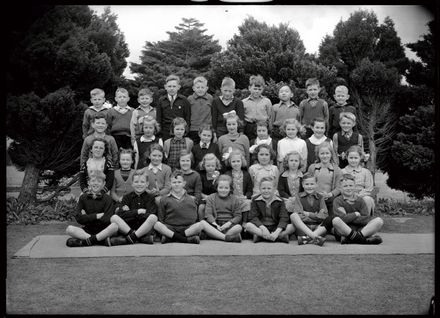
x=414 y=207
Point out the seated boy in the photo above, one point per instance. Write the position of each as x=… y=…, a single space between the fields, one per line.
x=137 y=215
x=94 y=210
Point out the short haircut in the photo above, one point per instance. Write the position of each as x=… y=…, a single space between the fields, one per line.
x=325 y=144
x=121 y=90
x=341 y=88
x=290 y=89
x=184 y=153
x=99 y=115
x=101 y=140
x=229 y=82
x=97 y=174
x=262 y=123
x=227 y=178
x=172 y=77
x=130 y=152
x=148 y=152
x=140 y=173
x=312 y=81
x=355 y=148
x=206 y=127
x=177 y=173
x=236 y=152
x=318 y=120
x=270 y=179
x=347 y=176
x=97 y=91
x=290 y=121
x=178 y=121
x=308 y=175
x=348 y=115
x=236 y=118
x=200 y=79
x=264 y=146
x=157 y=147
x=145 y=92
x=286 y=159
x=210 y=156
x=256 y=80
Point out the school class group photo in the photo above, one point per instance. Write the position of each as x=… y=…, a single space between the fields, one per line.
x=202 y=167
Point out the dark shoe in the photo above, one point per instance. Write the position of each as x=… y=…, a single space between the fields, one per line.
x=283 y=238
x=195 y=239
x=303 y=239
x=203 y=235
x=256 y=238
x=105 y=242
x=165 y=239
x=118 y=240
x=374 y=240
x=319 y=241
x=74 y=242
x=146 y=239
x=233 y=238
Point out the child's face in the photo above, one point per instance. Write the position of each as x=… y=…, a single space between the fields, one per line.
x=293 y=162
x=177 y=184
x=100 y=125
x=125 y=161
x=263 y=156
x=346 y=124
x=200 y=89
x=313 y=91
x=341 y=97
x=172 y=87
x=148 y=128
x=179 y=131
x=122 y=99
x=185 y=162
x=145 y=100
x=236 y=162
x=267 y=189
x=353 y=159
x=262 y=132
x=256 y=91
x=347 y=187
x=156 y=157
x=139 y=184
x=205 y=136
x=96 y=184
x=291 y=130
x=231 y=125
x=227 y=91
x=285 y=94
x=210 y=166
x=98 y=100
x=98 y=149
x=309 y=185
x=324 y=155
x=318 y=129
x=223 y=188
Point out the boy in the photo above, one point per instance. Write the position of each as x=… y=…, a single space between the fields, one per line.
x=268 y=215
x=97 y=97
x=99 y=126
x=341 y=96
x=171 y=106
x=200 y=102
x=145 y=98
x=119 y=118
x=256 y=107
x=312 y=107
x=286 y=108
x=352 y=210
x=94 y=210
x=225 y=104
x=178 y=214
x=206 y=145
x=137 y=215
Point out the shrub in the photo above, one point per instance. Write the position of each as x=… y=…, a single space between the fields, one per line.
x=394 y=207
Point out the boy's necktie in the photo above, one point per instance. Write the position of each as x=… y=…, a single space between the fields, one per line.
x=172 y=101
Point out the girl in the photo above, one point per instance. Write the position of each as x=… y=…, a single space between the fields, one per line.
x=318 y=137
x=209 y=169
x=362 y=176
x=233 y=139
x=291 y=142
x=263 y=137
x=327 y=173
x=174 y=145
x=142 y=144
x=123 y=177
x=289 y=183
x=97 y=161
x=264 y=168
x=207 y=145
x=192 y=178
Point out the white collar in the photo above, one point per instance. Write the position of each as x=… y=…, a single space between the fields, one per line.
x=151 y=167
x=143 y=139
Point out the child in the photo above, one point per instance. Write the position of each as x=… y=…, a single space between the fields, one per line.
x=285 y=109
x=262 y=129
x=264 y=168
x=137 y=215
x=225 y=104
x=352 y=210
x=313 y=106
x=99 y=126
x=256 y=106
x=123 y=176
x=178 y=214
x=119 y=118
x=174 y=145
x=97 y=97
x=289 y=183
x=97 y=161
x=344 y=139
x=143 y=143
x=200 y=102
x=209 y=170
x=268 y=216
x=341 y=96
x=291 y=142
x=171 y=106
x=145 y=98
x=193 y=182
x=318 y=137
x=327 y=173
x=94 y=210
x=205 y=146
x=233 y=139
x=363 y=178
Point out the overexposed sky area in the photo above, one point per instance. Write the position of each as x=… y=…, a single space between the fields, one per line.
x=151 y=22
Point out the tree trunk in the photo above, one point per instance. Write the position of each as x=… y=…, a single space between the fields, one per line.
x=28 y=191
x=373 y=154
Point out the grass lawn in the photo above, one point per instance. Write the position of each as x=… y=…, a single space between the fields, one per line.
x=299 y=284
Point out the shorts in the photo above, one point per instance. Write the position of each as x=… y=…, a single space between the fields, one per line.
x=271 y=228
x=180 y=229
x=93 y=229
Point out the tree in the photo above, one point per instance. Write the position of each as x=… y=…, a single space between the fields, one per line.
x=187 y=53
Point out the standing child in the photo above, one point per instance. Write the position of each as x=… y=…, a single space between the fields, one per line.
x=172 y=105
x=263 y=137
x=291 y=142
x=205 y=146
x=93 y=212
x=123 y=176
x=264 y=168
x=318 y=137
x=285 y=109
x=233 y=139
x=145 y=98
x=97 y=97
x=143 y=143
x=225 y=104
x=119 y=118
x=341 y=96
x=313 y=106
x=200 y=102
x=289 y=183
x=174 y=145
x=256 y=106
x=137 y=215
x=363 y=178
